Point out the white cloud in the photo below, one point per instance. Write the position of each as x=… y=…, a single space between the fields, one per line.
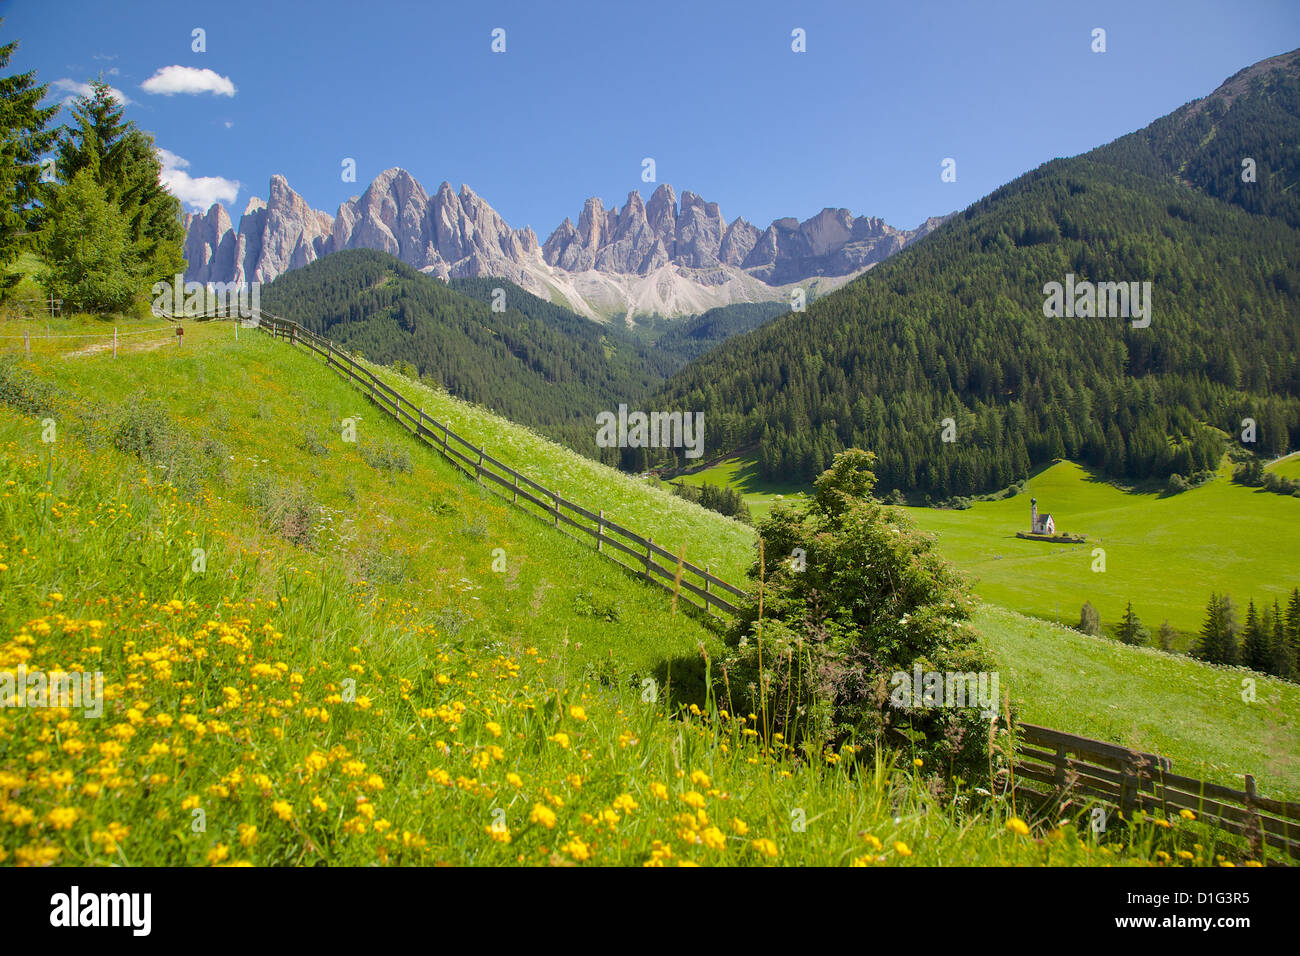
x=197 y=193
x=169 y=159
x=187 y=79
x=74 y=89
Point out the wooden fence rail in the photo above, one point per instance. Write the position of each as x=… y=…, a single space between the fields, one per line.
x=700 y=587
x=1140 y=781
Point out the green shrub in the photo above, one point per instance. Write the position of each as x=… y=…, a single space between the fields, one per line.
x=852 y=595
x=387 y=456
x=142 y=429
x=288 y=509
x=23 y=391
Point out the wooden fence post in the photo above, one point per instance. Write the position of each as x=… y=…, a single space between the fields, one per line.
x=556 y=496
x=419 y=425
x=1127 y=785
x=1254 y=829
x=478 y=469
x=600 y=531
x=648 y=553
x=444 y=438
x=708 y=607
x=1060 y=767
x=677 y=578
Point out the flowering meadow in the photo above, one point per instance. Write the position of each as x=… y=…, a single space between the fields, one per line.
x=308 y=659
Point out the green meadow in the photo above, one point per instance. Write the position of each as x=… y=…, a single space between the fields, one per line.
x=741 y=473
x=1288 y=467
x=326 y=556
x=1151 y=701
x=1165 y=553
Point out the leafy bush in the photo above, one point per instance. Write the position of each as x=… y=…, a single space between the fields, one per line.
x=1089 y=620
x=288 y=509
x=852 y=595
x=23 y=391
x=142 y=429
x=387 y=456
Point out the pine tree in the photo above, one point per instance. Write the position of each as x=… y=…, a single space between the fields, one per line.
x=1293 y=627
x=1255 y=651
x=1131 y=630
x=23 y=137
x=99 y=127
x=90 y=262
x=125 y=164
x=1210 y=646
x=1281 y=658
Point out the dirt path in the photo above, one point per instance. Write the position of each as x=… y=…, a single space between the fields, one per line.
x=146 y=346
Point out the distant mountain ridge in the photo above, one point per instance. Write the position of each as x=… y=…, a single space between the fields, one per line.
x=659 y=256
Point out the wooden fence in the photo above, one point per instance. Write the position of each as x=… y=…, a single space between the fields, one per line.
x=1141 y=781
x=695 y=585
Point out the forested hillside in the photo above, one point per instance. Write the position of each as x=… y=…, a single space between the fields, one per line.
x=1250 y=123
x=536 y=363
x=954 y=327
x=678 y=341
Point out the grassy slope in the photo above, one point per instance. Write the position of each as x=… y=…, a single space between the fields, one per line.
x=388 y=582
x=741 y=473
x=1249 y=740
x=1151 y=701
x=281 y=421
x=327 y=563
x=1165 y=553
x=726 y=546
x=1288 y=467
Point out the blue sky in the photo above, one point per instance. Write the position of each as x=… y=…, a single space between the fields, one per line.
x=584 y=91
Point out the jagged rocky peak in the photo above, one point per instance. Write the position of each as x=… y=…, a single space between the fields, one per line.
x=458 y=233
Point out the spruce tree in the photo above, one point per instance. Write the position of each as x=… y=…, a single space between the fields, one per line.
x=90 y=262
x=1131 y=630
x=1281 y=658
x=1255 y=651
x=1210 y=645
x=1231 y=630
x=123 y=161
x=1293 y=627
x=23 y=138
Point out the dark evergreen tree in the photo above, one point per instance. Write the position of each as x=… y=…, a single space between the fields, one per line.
x=1256 y=652
x=24 y=136
x=1131 y=629
x=1282 y=658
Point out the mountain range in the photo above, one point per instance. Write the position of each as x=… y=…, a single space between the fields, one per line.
x=662 y=256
